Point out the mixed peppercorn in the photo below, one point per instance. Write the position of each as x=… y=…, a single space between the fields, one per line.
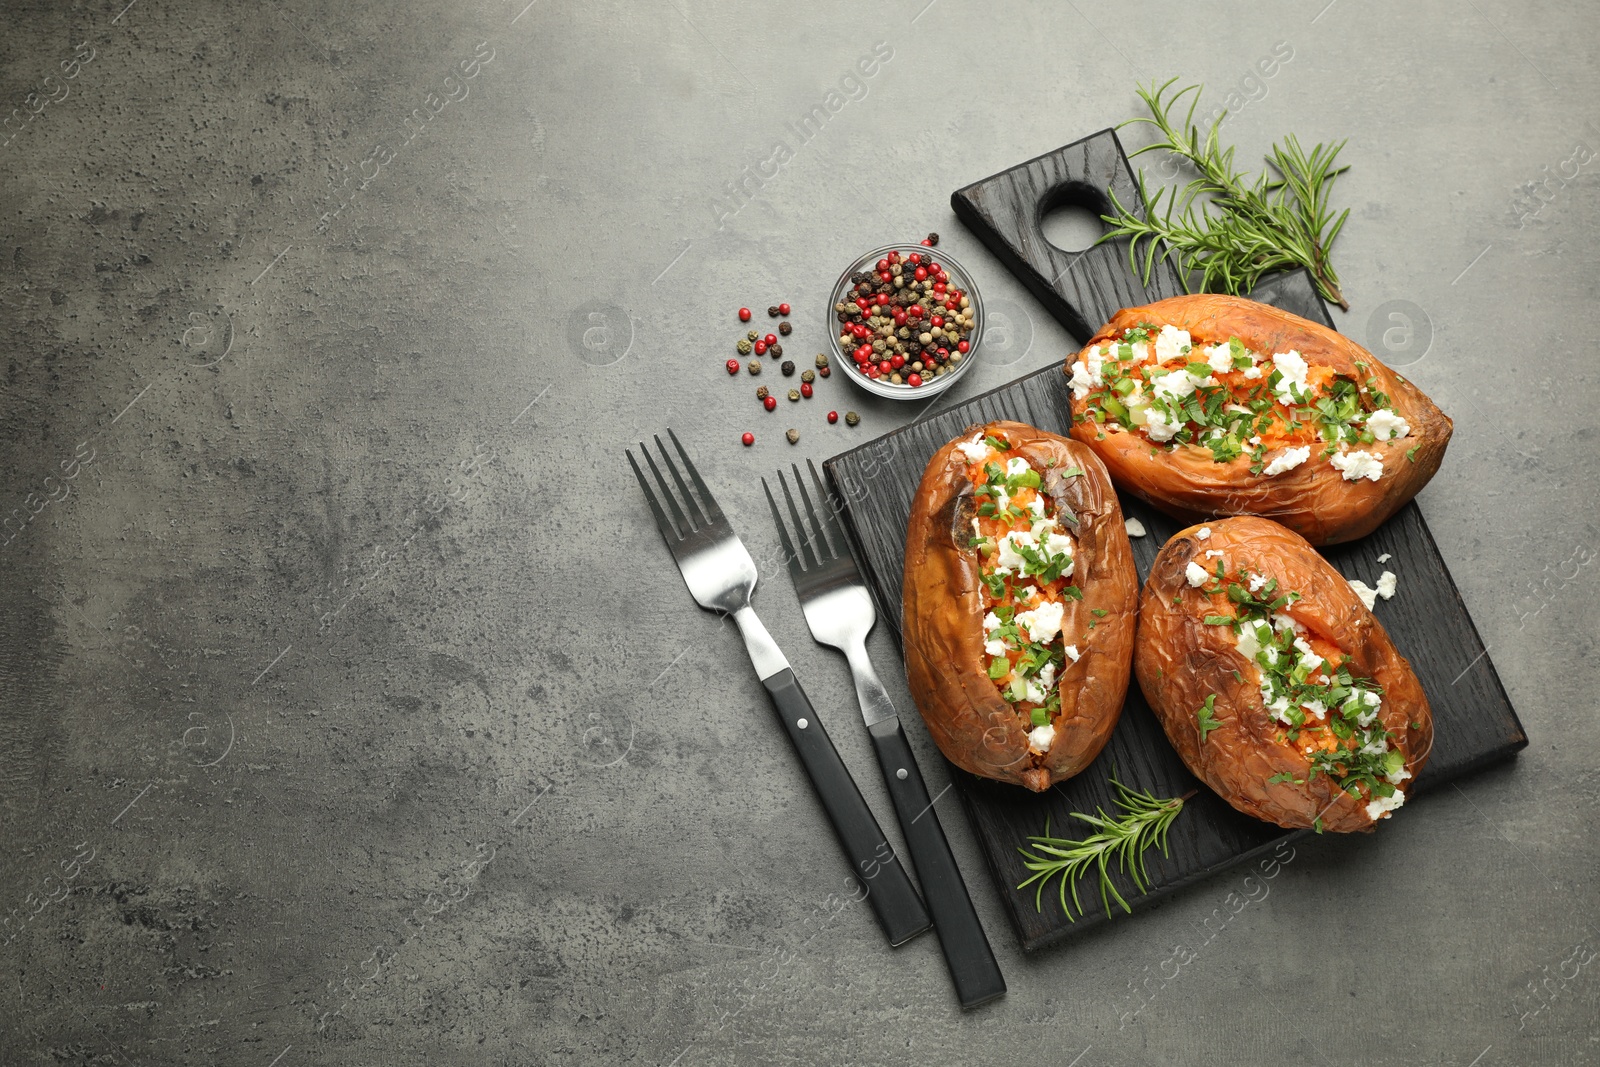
x=1172 y=390
x=903 y=322
x=754 y=345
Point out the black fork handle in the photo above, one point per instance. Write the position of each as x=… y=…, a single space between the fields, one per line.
x=972 y=965
x=893 y=898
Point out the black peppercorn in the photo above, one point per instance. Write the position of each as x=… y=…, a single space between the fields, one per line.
x=773 y=311
x=785 y=329
x=787 y=367
x=775 y=349
x=933 y=240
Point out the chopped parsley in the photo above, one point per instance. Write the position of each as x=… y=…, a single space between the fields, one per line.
x=1206 y=717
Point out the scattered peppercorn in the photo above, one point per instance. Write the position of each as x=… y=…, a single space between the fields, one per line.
x=770 y=403
x=793 y=436
x=933 y=240
x=784 y=309
x=771 y=339
x=761 y=392
x=851 y=418
x=752 y=336
x=787 y=367
x=755 y=366
x=808 y=376
x=775 y=348
x=825 y=371
x=743 y=346
x=785 y=329
x=822 y=359
x=748 y=438
x=744 y=316
x=833 y=416
x=806 y=390
x=733 y=366
x=773 y=311
x=760 y=347
x=794 y=394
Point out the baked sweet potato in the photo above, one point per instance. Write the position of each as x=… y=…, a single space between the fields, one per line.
x=1214 y=405
x=1274 y=682
x=1020 y=598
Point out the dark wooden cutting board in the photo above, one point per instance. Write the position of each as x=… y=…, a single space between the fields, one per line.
x=1474 y=723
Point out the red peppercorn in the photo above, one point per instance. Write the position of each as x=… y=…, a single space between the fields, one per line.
x=894 y=257
x=951 y=305
x=770 y=403
x=784 y=309
x=962 y=346
x=897 y=362
x=733 y=366
x=914 y=311
x=761 y=348
x=944 y=354
x=824 y=371
x=914 y=258
x=744 y=316
x=937 y=320
x=806 y=390
x=921 y=274
x=899 y=316
x=938 y=287
x=748 y=439
x=771 y=339
x=833 y=416
x=914 y=379
x=885 y=366
x=863 y=353
x=863 y=303
x=883 y=299
x=925 y=243
x=885 y=277
x=883 y=266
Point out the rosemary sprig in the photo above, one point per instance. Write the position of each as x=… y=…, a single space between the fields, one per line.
x=1144 y=823
x=1262 y=224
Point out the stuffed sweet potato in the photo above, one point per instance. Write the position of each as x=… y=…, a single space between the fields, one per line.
x=1020 y=597
x=1274 y=682
x=1214 y=405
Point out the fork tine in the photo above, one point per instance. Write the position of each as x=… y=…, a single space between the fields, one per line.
x=672 y=501
x=824 y=550
x=831 y=513
x=810 y=560
x=708 y=502
x=777 y=518
x=689 y=505
x=667 y=529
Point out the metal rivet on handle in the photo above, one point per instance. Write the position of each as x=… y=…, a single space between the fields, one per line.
x=802 y=724
x=901 y=774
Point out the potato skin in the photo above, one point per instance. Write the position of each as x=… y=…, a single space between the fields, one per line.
x=1179 y=661
x=942 y=633
x=1313 y=500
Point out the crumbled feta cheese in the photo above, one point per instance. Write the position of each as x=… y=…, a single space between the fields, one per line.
x=1257 y=581
x=1086 y=373
x=1196 y=574
x=1043 y=622
x=1249 y=640
x=1287 y=460
x=1368 y=595
x=1040 y=738
x=1357 y=465
x=1373 y=702
x=1204 y=533
x=1256 y=440
x=1386 y=557
x=1308 y=659
x=991 y=622
x=1376 y=747
x=1158 y=426
x=1175 y=385
x=1036 y=505
x=1386 y=584
x=1034 y=690
x=1400 y=774
x=1387 y=426
x=1002 y=498
x=1008 y=559
x=1380 y=807
x=1171 y=342
x=1315 y=707
x=1252 y=373
x=1047 y=676
x=1072 y=652
x=1058 y=544
x=994 y=646
x=1212 y=553
x=1284 y=621
x=1016 y=465
x=1141 y=352
x=976 y=449
x=1293 y=367
x=1220 y=356
x=1134 y=527
x=1278 y=707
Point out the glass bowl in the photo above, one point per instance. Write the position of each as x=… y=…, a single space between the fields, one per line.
x=948 y=373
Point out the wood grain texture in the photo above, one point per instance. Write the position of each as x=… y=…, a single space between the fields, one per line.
x=1475 y=725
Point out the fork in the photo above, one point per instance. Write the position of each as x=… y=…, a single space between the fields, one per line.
x=839 y=610
x=721 y=576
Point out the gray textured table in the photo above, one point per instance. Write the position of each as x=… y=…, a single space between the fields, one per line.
x=350 y=710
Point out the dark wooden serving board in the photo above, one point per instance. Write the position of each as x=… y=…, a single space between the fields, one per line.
x=1474 y=723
